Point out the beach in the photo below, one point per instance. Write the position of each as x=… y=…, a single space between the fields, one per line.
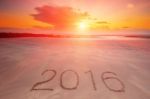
x=75 y=68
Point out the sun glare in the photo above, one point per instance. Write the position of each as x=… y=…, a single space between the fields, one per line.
x=83 y=25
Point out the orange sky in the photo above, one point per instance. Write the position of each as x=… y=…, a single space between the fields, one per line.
x=65 y=14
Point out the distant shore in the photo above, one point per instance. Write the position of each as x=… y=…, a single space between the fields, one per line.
x=19 y=35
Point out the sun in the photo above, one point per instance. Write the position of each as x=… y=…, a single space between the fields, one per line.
x=83 y=25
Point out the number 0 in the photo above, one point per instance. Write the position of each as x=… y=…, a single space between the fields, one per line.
x=77 y=80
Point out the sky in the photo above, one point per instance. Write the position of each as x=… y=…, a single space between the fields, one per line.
x=75 y=15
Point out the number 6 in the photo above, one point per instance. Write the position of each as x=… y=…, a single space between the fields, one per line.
x=122 y=89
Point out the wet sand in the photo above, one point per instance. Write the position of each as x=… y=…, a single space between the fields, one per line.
x=101 y=68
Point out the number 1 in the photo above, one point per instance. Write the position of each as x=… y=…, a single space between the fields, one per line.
x=92 y=79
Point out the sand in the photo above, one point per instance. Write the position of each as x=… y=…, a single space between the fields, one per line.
x=81 y=68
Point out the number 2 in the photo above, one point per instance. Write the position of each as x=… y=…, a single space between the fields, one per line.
x=43 y=82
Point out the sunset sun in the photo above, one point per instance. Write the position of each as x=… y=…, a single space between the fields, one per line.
x=83 y=25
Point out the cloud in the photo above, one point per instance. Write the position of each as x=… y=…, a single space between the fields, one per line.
x=102 y=22
x=58 y=16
